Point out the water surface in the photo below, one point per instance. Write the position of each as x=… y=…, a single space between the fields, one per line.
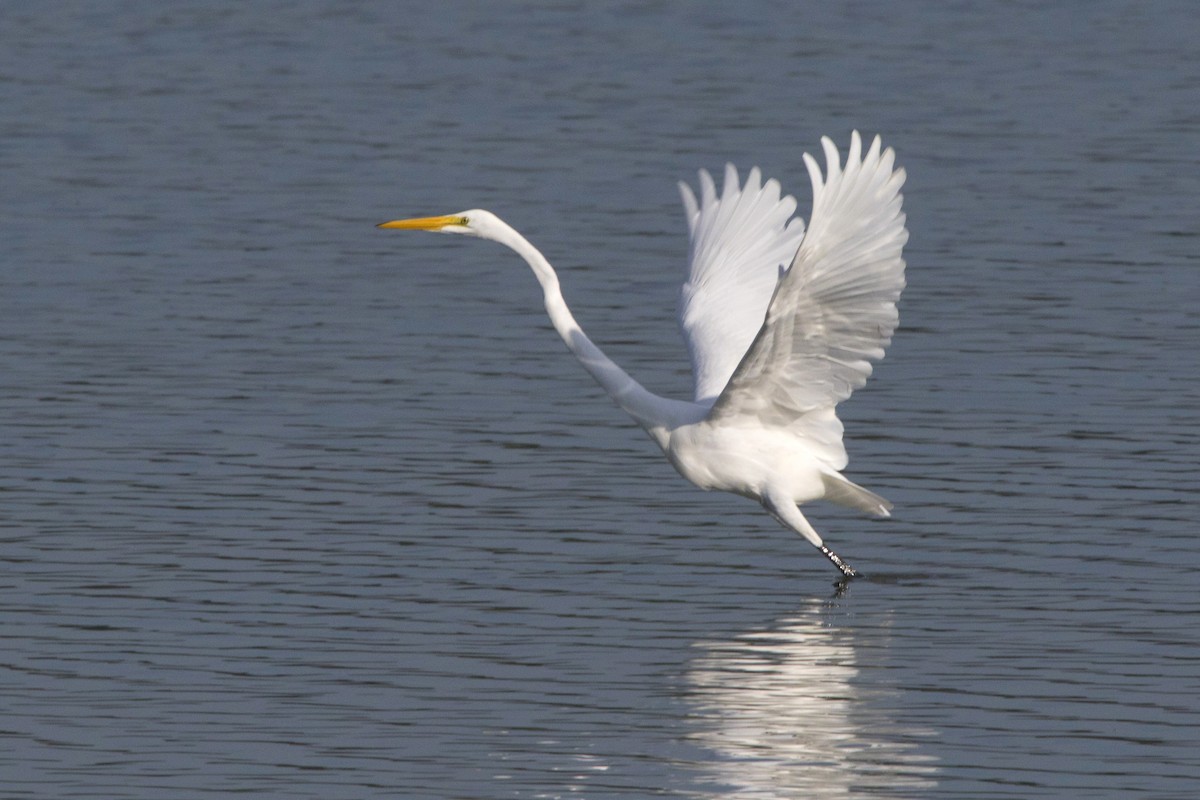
x=296 y=508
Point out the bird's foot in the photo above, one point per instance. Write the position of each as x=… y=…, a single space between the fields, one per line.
x=847 y=570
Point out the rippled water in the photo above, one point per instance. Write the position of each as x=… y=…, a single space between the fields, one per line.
x=294 y=508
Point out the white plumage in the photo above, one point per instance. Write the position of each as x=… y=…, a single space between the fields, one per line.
x=740 y=244
x=781 y=324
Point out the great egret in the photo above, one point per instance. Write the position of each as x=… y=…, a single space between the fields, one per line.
x=781 y=326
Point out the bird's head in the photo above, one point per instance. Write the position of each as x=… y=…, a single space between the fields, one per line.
x=471 y=223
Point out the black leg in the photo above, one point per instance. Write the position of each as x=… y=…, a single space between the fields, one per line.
x=847 y=570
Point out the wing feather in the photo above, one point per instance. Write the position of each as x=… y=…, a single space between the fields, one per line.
x=834 y=310
x=741 y=241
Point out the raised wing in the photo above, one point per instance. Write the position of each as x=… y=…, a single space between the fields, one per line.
x=835 y=309
x=740 y=244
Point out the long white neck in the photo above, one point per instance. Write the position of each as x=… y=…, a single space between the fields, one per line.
x=658 y=415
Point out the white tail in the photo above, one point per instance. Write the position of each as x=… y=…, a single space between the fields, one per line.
x=844 y=492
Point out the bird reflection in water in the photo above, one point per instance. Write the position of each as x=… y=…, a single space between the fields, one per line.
x=781 y=711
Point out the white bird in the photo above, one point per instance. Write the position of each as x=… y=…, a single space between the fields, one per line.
x=782 y=325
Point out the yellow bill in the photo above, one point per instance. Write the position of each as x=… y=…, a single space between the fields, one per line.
x=424 y=223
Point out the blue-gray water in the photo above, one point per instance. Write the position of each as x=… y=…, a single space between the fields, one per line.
x=295 y=508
